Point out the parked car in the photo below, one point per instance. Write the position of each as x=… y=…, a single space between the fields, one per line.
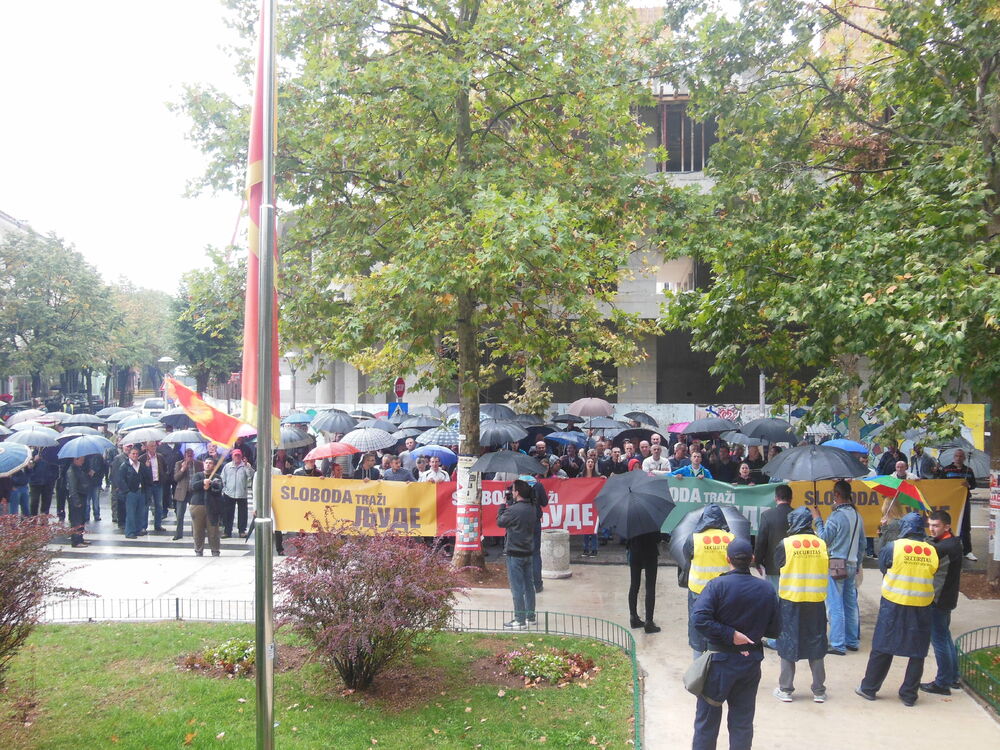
x=152 y=407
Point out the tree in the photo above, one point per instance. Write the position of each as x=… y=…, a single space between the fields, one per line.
x=467 y=184
x=53 y=308
x=853 y=227
x=208 y=319
x=139 y=321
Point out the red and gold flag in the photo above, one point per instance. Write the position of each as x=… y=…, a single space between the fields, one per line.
x=214 y=424
x=251 y=315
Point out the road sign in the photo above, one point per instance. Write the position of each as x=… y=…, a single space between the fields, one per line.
x=400 y=388
x=396 y=408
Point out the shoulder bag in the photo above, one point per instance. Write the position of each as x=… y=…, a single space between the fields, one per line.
x=697 y=675
x=838 y=565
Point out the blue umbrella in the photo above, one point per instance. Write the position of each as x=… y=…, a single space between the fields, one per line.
x=568 y=438
x=13 y=458
x=847 y=445
x=446 y=456
x=297 y=418
x=34 y=438
x=139 y=420
x=85 y=445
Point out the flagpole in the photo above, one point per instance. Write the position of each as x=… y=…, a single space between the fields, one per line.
x=263 y=526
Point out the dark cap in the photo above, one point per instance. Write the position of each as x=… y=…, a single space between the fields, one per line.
x=739 y=548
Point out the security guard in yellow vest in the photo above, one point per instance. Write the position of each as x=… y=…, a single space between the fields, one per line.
x=904 y=618
x=705 y=553
x=804 y=564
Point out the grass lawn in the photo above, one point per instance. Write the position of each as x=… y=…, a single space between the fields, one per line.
x=117 y=686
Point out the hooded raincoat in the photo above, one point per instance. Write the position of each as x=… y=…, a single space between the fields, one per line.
x=902 y=630
x=803 y=624
x=712 y=517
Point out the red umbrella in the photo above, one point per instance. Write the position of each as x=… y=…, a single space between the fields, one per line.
x=330 y=450
x=677 y=427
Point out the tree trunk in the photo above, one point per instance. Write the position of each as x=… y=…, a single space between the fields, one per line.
x=468 y=539
x=88 y=378
x=36 y=384
x=992 y=446
x=201 y=383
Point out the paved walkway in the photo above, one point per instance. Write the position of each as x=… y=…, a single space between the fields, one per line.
x=600 y=590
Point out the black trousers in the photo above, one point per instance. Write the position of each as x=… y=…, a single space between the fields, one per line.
x=636 y=569
x=40 y=498
x=229 y=513
x=878 y=667
x=965 y=532
x=77 y=518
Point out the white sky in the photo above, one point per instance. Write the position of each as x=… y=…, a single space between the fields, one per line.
x=88 y=149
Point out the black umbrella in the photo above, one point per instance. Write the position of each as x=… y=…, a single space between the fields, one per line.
x=107 y=411
x=604 y=423
x=527 y=420
x=635 y=434
x=334 y=421
x=568 y=419
x=497 y=432
x=770 y=430
x=507 y=462
x=812 y=463
x=177 y=418
x=708 y=426
x=634 y=503
x=420 y=421
x=741 y=438
x=496 y=411
x=407 y=432
x=82 y=420
x=643 y=417
x=362 y=414
x=379 y=424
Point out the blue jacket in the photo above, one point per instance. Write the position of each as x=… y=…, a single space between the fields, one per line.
x=685 y=471
x=736 y=601
x=46 y=469
x=836 y=532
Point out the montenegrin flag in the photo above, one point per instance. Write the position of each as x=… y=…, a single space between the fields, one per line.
x=251 y=315
x=216 y=425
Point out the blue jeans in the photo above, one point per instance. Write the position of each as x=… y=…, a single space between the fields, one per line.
x=536 y=559
x=521 y=586
x=589 y=543
x=136 y=514
x=154 y=499
x=944 y=647
x=732 y=679
x=19 y=500
x=842 y=611
x=94 y=501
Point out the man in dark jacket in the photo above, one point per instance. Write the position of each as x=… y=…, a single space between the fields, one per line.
x=77 y=490
x=903 y=627
x=206 y=508
x=958 y=469
x=803 y=564
x=772 y=530
x=733 y=613
x=134 y=477
x=643 y=557
x=705 y=558
x=946 y=583
x=518 y=517
x=540 y=499
x=42 y=482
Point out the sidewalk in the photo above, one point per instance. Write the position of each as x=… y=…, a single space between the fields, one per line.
x=845 y=720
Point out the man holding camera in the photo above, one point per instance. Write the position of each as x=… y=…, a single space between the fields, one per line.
x=518 y=517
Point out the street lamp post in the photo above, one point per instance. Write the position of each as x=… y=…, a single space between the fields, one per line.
x=290 y=359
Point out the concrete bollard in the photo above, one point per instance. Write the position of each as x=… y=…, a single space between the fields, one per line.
x=555 y=554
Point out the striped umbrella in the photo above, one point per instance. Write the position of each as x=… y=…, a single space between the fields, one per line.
x=292 y=437
x=369 y=439
x=443 y=435
x=40 y=437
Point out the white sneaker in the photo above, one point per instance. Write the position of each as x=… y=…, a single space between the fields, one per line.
x=514 y=625
x=971 y=557
x=819 y=697
x=782 y=696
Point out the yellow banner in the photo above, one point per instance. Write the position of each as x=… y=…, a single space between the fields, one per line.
x=397 y=507
x=941 y=494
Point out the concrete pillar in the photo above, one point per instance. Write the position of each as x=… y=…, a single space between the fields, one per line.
x=638 y=383
x=555 y=553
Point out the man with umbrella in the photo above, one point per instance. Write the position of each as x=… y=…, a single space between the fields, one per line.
x=77 y=491
x=844 y=534
x=705 y=553
x=802 y=589
x=903 y=627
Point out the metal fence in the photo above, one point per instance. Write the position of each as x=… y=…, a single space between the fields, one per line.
x=974 y=663
x=87 y=609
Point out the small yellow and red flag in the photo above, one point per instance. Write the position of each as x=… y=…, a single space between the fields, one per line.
x=214 y=424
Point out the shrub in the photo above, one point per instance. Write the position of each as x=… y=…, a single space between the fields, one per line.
x=235 y=656
x=556 y=666
x=364 y=600
x=27 y=581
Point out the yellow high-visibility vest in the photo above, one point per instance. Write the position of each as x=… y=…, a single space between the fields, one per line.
x=910 y=580
x=709 y=558
x=805 y=574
